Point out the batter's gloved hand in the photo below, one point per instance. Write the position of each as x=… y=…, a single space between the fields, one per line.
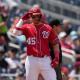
x=26 y=16
x=54 y=63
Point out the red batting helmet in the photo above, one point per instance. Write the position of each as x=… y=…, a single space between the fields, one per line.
x=35 y=10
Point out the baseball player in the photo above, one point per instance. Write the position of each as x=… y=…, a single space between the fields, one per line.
x=56 y=25
x=38 y=35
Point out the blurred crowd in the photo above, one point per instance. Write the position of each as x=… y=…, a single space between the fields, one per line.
x=12 y=49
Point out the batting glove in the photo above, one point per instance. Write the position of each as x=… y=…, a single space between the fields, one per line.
x=54 y=63
x=26 y=16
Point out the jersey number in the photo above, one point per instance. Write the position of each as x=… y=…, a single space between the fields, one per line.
x=31 y=41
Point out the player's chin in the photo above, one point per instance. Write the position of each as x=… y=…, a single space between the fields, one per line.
x=37 y=22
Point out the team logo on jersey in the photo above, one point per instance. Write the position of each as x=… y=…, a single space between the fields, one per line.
x=45 y=34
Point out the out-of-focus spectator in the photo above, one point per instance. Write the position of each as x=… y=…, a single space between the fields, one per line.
x=63 y=38
x=3 y=42
x=67 y=51
x=67 y=26
x=12 y=2
x=3 y=62
x=65 y=72
x=75 y=70
x=76 y=41
x=13 y=61
x=77 y=67
x=3 y=19
x=56 y=24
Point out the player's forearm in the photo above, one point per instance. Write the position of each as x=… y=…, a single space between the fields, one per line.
x=18 y=25
x=56 y=51
x=55 y=61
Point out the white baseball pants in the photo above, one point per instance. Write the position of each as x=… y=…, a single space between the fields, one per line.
x=36 y=65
